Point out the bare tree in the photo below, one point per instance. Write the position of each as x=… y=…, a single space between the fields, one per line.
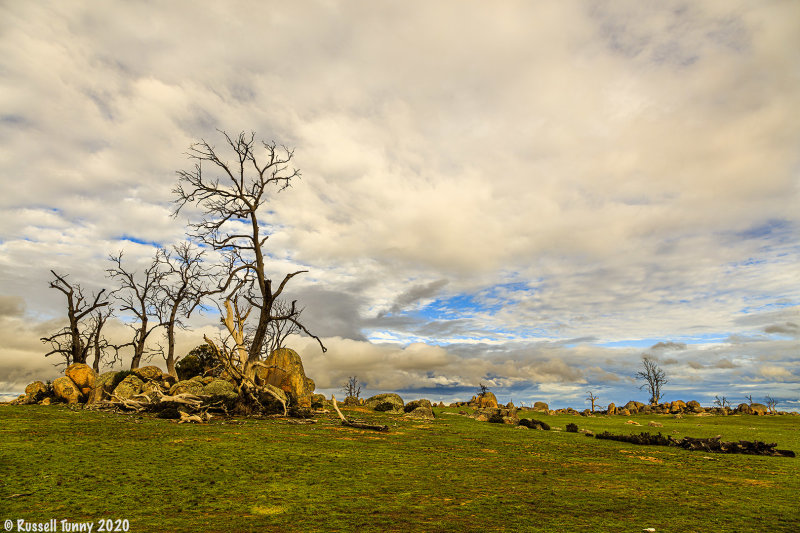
x=279 y=330
x=75 y=340
x=232 y=198
x=771 y=403
x=352 y=389
x=97 y=340
x=181 y=285
x=482 y=389
x=749 y=398
x=591 y=398
x=137 y=295
x=654 y=378
x=721 y=401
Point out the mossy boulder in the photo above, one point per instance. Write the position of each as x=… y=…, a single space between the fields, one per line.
x=318 y=401
x=633 y=406
x=677 y=407
x=695 y=407
x=387 y=403
x=35 y=392
x=148 y=373
x=103 y=386
x=484 y=400
x=191 y=386
x=612 y=409
x=758 y=409
x=66 y=390
x=542 y=407
x=128 y=387
x=221 y=390
x=419 y=409
x=83 y=376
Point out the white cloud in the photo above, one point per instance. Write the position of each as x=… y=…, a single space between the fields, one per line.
x=631 y=164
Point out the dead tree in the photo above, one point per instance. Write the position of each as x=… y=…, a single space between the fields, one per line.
x=97 y=340
x=233 y=354
x=592 y=398
x=232 y=196
x=722 y=402
x=279 y=330
x=137 y=294
x=352 y=389
x=74 y=341
x=654 y=378
x=771 y=403
x=179 y=290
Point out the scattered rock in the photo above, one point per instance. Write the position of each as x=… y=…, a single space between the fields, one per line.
x=318 y=401
x=421 y=412
x=612 y=409
x=388 y=403
x=541 y=406
x=410 y=406
x=758 y=409
x=65 y=389
x=633 y=423
x=677 y=407
x=655 y=424
x=633 y=407
x=484 y=400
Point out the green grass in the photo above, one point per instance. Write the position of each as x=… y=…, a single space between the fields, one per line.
x=450 y=474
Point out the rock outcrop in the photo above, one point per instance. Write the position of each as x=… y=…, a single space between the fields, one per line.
x=285 y=371
x=128 y=387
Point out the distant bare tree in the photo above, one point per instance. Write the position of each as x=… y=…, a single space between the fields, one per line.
x=352 y=389
x=749 y=399
x=721 y=401
x=232 y=196
x=654 y=378
x=74 y=341
x=180 y=286
x=591 y=398
x=771 y=403
x=137 y=294
x=482 y=389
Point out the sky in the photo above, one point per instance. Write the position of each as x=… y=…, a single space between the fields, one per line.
x=528 y=195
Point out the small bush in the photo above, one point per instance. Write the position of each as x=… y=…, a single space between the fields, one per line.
x=572 y=428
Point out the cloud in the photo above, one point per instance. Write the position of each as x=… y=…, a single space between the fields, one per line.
x=495 y=182
x=669 y=346
x=777 y=373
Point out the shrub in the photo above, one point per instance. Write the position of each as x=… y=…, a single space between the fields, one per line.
x=196 y=363
x=572 y=428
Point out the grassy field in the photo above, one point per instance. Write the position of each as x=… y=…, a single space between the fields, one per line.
x=449 y=474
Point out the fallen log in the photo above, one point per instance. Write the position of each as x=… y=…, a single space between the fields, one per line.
x=358 y=425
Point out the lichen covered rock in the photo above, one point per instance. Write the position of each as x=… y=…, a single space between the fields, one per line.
x=83 y=376
x=388 y=403
x=191 y=386
x=102 y=387
x=128 y=387
x=148 y=373
x=35 y=392
x=285 y=371
x=65 y=389
x=220 y=390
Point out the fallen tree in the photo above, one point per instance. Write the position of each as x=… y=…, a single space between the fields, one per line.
x=711 y=445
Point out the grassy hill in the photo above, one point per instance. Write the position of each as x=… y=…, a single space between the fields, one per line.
x=448 y=474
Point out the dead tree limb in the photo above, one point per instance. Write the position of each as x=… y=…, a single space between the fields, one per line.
x=358 y=425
